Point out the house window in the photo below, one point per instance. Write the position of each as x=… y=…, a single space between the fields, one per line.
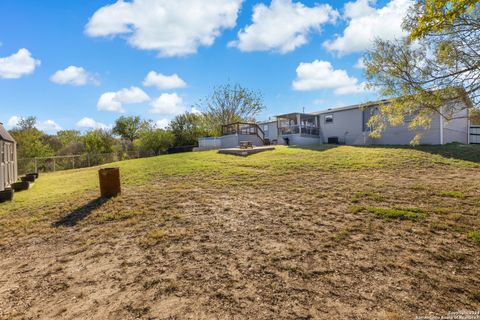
x=367 y=113
x=329 y=118
x=409 y=117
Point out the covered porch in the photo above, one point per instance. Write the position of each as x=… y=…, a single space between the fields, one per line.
x=298 y=123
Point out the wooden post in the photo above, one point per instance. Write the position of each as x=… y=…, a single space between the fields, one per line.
x=36 y=166
x=54 y=164
x=73 y=162
x=88 y=159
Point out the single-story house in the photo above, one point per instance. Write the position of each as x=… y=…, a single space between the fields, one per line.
x=345 y=125
x=8 y=159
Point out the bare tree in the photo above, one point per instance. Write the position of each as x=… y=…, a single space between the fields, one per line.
x=231 y=103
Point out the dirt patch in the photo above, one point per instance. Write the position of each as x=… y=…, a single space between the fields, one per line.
x=287 y=248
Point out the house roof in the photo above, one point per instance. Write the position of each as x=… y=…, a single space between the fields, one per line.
x=353 y=106
x=267 y=121
x=4 y=135
x=330 y=110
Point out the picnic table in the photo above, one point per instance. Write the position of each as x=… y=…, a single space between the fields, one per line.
x=246 y=145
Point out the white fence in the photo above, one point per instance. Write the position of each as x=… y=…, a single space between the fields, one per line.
x=210 y=143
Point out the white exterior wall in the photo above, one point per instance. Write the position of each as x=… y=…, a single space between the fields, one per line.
x=401 y=135
x=272 y=132
x=457 y=129
x=230 y=141
x=297 y=139
x=347 y=125
x=233 y=140
x=210 y=143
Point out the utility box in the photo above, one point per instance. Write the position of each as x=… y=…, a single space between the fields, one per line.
x=333 y=140
x=109 y=182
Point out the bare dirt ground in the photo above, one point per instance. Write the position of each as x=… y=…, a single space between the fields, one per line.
x=296 y=247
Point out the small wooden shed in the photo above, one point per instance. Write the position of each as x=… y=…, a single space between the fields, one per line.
x=8 y=159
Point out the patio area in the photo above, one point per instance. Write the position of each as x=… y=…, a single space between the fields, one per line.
x=298 y=123
x=245 y=152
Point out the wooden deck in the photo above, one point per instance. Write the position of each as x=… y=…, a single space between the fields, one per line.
x=245 y=152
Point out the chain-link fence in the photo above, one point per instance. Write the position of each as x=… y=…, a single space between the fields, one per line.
x=58 y=163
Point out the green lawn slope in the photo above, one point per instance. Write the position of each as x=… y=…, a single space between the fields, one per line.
x=227 y=169
x=325 y=232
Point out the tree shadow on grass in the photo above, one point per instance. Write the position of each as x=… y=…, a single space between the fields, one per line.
x=315 y=147
x=458 y=151
x=71 y=219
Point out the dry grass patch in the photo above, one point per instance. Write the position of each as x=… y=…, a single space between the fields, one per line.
x=369 y=195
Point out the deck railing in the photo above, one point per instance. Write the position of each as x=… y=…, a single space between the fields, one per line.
x=313 y=131
x=244 y=128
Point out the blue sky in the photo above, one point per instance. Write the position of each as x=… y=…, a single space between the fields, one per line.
x=298 y=53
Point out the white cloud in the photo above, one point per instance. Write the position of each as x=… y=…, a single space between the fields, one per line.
x=162 y=123
x=358 y=9
x=113 y=101
x=360 y=64
x=89 y=123
x=168 y=104
x=196 y=110
x=18 y=64
x=173 y=28
x=162 y=81
x=321 y=75
x=72 y=75
x=13 y=121
x=352 y=89
x=283 y=26
x=47 y=125
x=365 y=23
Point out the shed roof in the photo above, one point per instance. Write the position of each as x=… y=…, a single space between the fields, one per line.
x=4 y=135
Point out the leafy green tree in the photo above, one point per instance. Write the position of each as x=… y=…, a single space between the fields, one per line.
x=475 y=116
x=71 y=142
x=52 y=141
x=435 y=16
x=30 y=141
x=156 y=140
x=431 y=74
x=99 y=141
x=129 y=127
x=231 y=103
x=188 y=127
x=68 y=136
x=27 y=123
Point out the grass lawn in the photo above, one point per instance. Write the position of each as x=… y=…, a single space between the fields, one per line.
x=295 y=233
